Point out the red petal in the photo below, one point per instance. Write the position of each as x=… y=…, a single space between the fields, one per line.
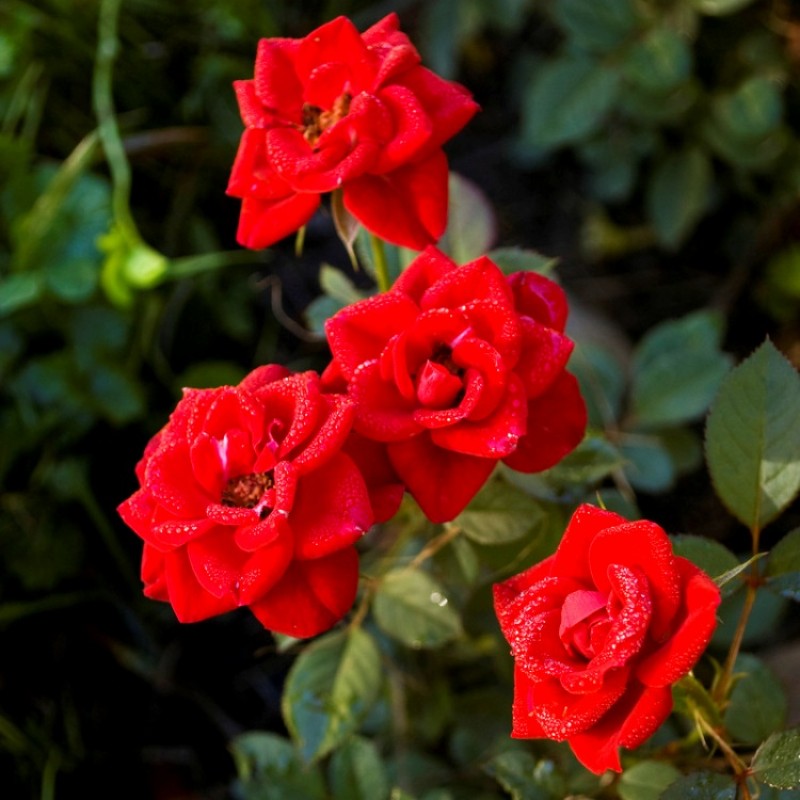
x=336 y=41
x=395 y=52
x=312 y=596
x=524 y=723
x=332 y=509
x=407 y=207
x=169 y=480
x=384 y=487
x=331 y=436
x=449 y=105
x=633 y=720
x=411 y=128
x=544 y=356
x=692 y=632
x=276 y=83
x=323 y=168
x=572 y=556
x=360 y=331
x=645 y=546
x=494 y=436
x=262 y=223
x=539 y=298
x=479 y=279
x=507 y=593
x=262 y=376
x=562 y=714
x=556 y=425
x=442 y=482
x=427 y=268
x=381 y=412
x=252 y=174
x=189 y=600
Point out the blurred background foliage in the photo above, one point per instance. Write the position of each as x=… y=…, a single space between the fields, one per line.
x=651 y=147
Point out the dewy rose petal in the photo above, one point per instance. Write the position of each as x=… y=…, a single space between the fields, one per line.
x=599 y=633
x=342 y=110
x=454 y=369
x=247 y=499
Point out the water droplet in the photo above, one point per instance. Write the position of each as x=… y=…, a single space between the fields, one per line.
x=439 y=599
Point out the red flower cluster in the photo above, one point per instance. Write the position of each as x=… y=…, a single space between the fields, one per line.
x=599 y=633
x=342 y=110
x=454 y=369
x=246 y=499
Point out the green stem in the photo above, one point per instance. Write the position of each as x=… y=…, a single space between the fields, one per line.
x=188 y=266
x=103 y=101
x=725 y=680
x=380 y=263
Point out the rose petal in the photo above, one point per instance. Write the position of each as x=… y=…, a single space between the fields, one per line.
x=556 y=426
x=427 y=268
x=524 y=722
x=262 y=223
x=312 y=596
x=275 y=80
x=441 y=481
x=631 y=722
x=692 y=631
x=541 y=299
x=189 y=600
x=381 y=412
x=407 y=207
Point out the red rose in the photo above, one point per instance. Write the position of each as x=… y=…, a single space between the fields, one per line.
x=455 y=368
x=599 y=633
x=247 y=500
x=342 y=110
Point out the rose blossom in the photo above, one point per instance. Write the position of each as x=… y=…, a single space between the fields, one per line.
x=454 y=369
x=342 y=110
x=247 y=500
x=600 y=631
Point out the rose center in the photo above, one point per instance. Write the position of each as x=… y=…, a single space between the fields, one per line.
x=247 y=491
x=316 y=121
x=439 y=383
x=584 y=623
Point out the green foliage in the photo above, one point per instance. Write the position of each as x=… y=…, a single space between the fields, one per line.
x=757 y=705
x=751 y=437
x=775 y=762
x=647 y=780
x=783 y=567
x=330 y=689
x=701 y=786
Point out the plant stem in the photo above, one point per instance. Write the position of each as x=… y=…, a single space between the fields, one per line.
x=740 y=769
x=380 y=263
x=102 y=99
x=725 y=680
x=435 y=545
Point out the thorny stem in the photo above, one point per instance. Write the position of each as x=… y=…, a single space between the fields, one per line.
x=740 y=769
x=380 y=263
x=723 y=684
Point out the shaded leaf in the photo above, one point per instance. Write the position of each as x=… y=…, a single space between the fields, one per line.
x=776 y=762
x=471 y=223
x=357 y=773
x=647 y=780
x=329 y=690
x=514 y=771
x=701 y=786
x=712 y=557
x=413 y=608
x=752 y=437
x=783 y=566
x=757 y=705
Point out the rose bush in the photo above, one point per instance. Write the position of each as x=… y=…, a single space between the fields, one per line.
x=247 y=500
x=600 y=631
x=456 y=368
x=342 y=110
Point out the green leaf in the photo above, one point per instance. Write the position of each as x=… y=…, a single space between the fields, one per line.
x=596 y=27
x=752 y=437
x=678 y=195
x=520 y=259
x=337 y=285
x=413 y=608
x=701 y=786
x=357 y=773
x=757 y=704
x=330 y=689
x=719 y=8
x=19 y=291
x=647 y=463
x=712 y=557
x=783 y=566
x=269 y=768
x=471 y=224
x=602 y=380
x=691 y=699
x=591 y=461
x=762 y=624
x=499 y=513
x=567 y=101
x=514 y=771
x=752 y=111
x=660 y=61
x=776 y=762
x=647 y=780
x=677 y=369
x=347 y=226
